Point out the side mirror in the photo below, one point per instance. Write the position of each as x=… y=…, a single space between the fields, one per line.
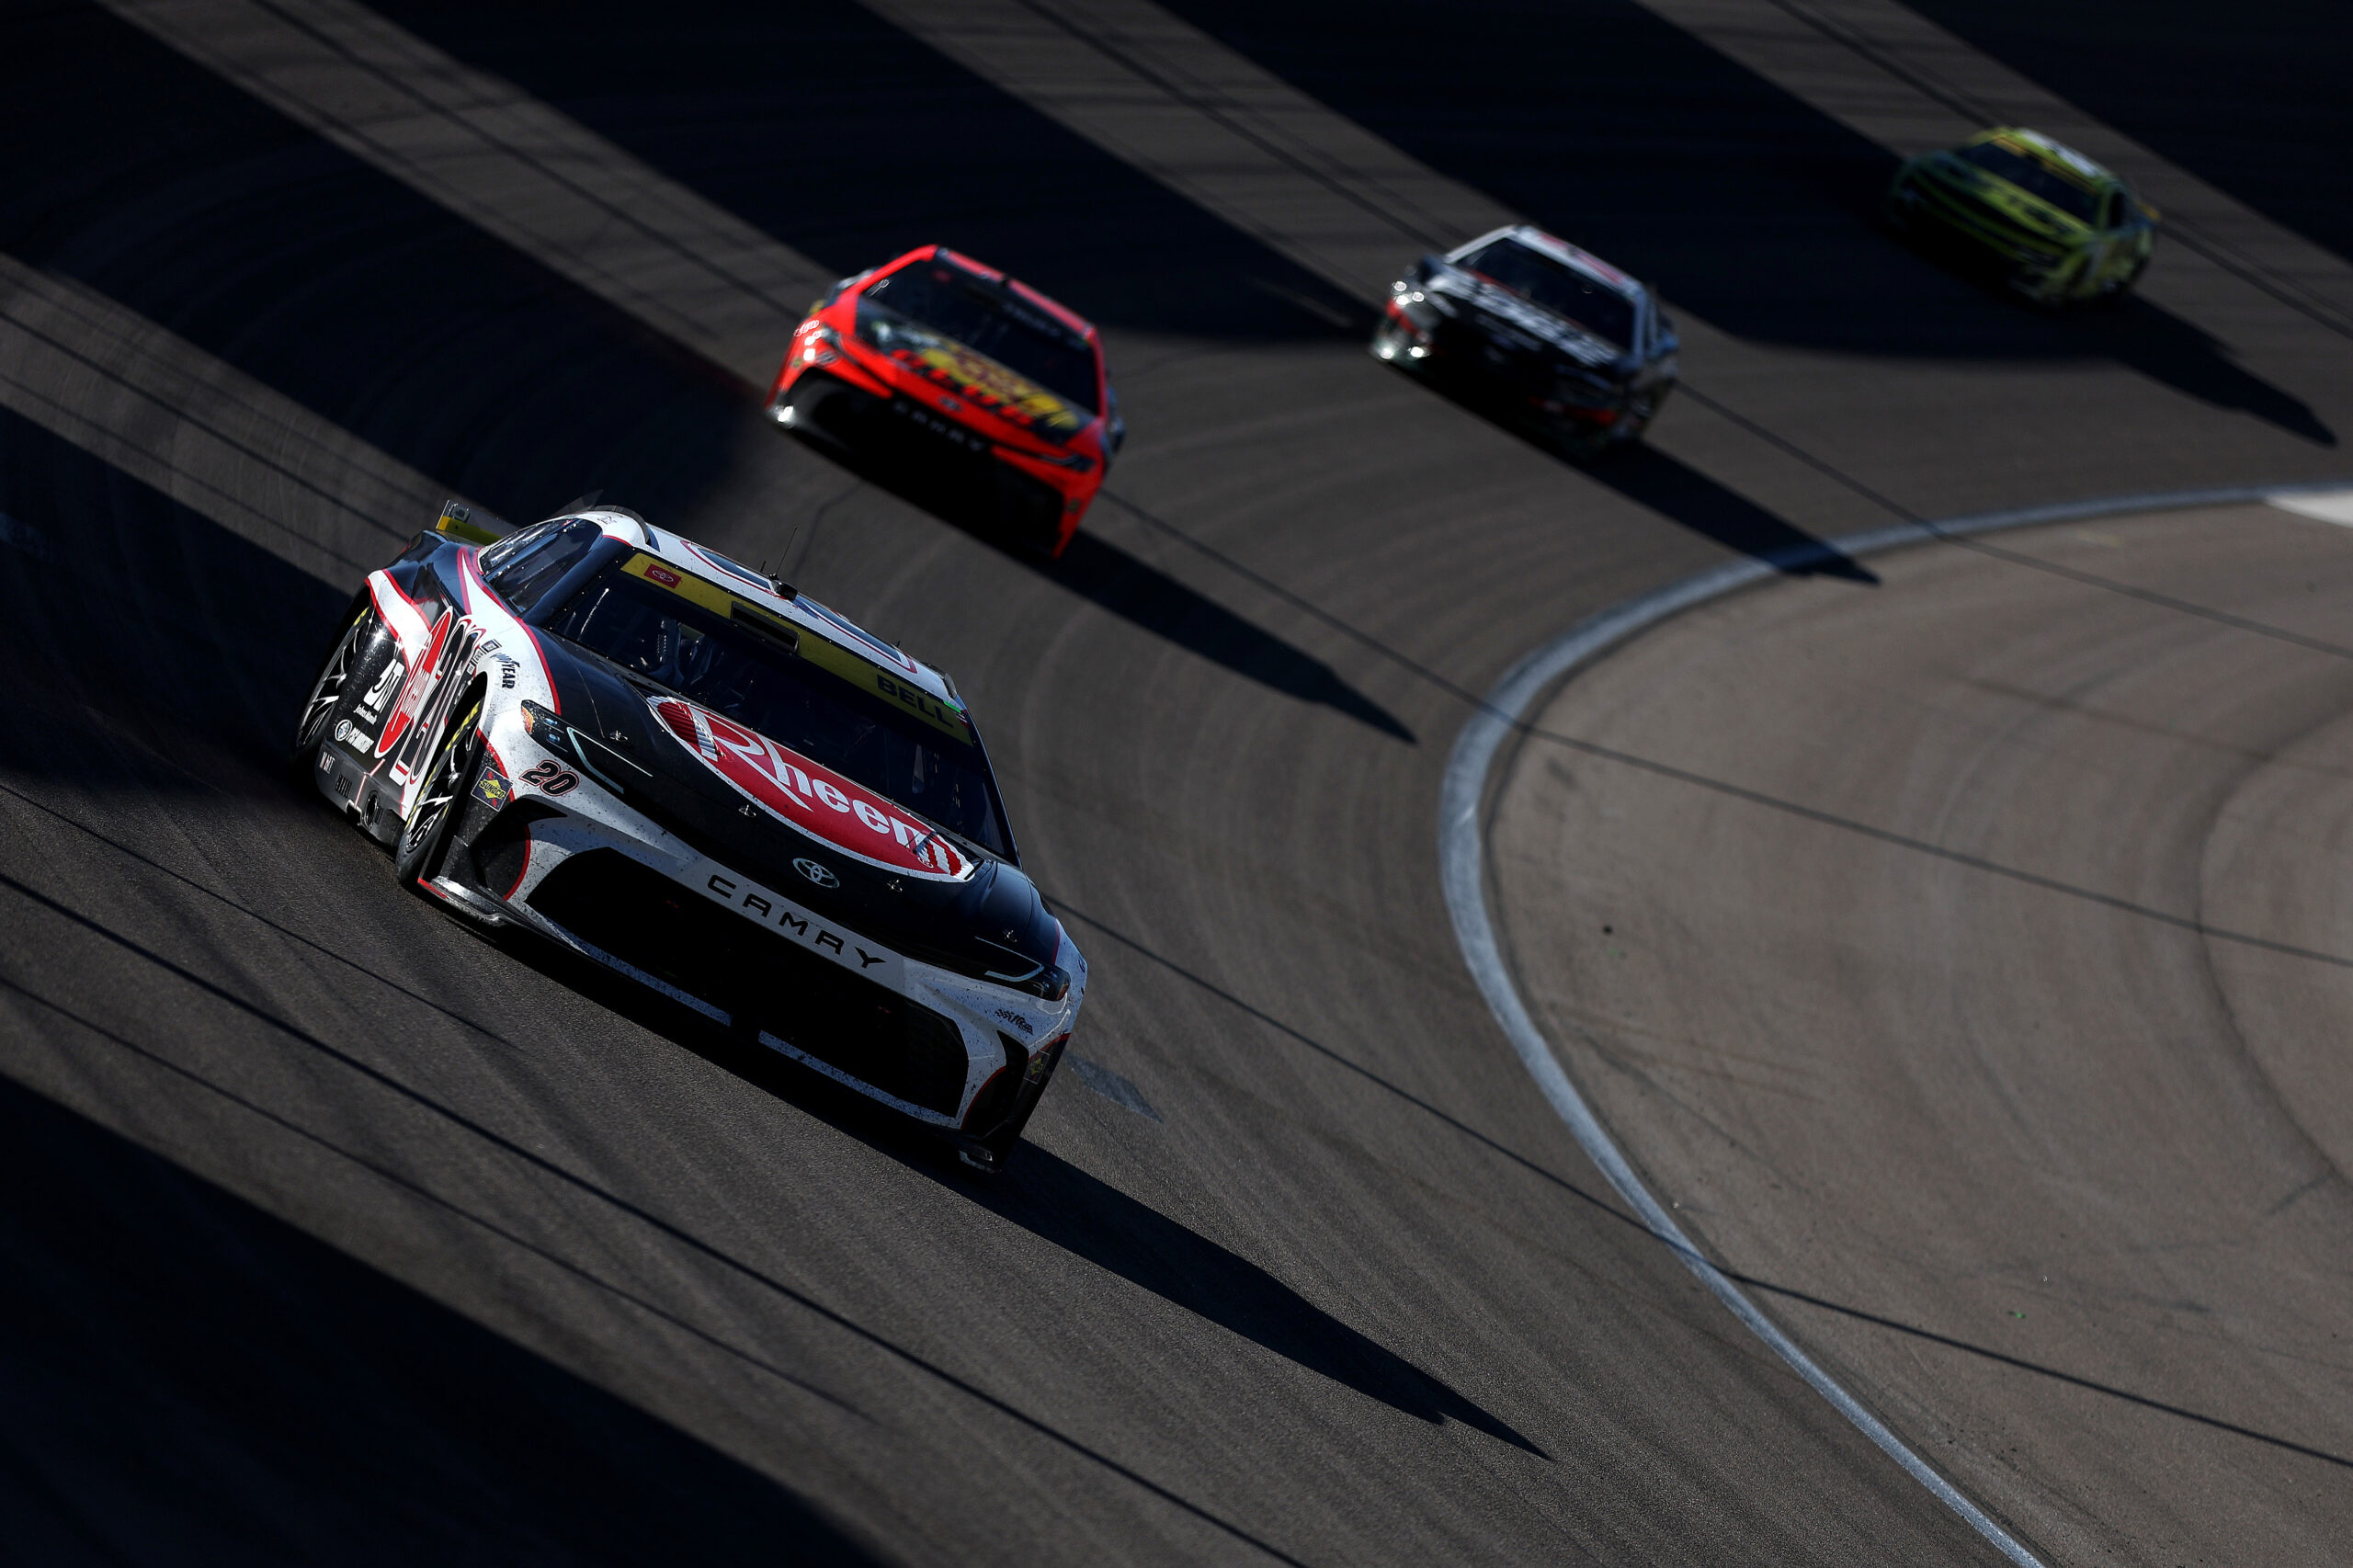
x=1429 y=268
x=1115 y=431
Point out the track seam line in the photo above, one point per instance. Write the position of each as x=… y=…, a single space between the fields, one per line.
x=1461 y=864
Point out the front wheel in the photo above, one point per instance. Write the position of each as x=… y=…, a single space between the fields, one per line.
x=327 y=692
x=424 y=836
x=2111 y=294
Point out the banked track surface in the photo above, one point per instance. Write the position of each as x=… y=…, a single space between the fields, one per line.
x=342 y=1233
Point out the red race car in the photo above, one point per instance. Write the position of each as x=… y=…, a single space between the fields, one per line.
x=934 y=357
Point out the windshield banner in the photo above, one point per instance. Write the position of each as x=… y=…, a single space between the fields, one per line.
x=817 y=800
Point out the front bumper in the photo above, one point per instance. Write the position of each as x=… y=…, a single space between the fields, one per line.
x=961 y=1056
x=1530 y=386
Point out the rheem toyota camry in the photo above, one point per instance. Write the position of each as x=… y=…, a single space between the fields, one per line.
x=603 y=734
x=1550 y=337
x=935 y=359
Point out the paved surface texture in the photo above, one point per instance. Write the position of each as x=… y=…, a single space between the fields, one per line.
x=334 y=1231
x=1973 y=984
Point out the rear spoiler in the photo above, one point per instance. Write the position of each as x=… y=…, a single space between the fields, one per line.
x=471 y=524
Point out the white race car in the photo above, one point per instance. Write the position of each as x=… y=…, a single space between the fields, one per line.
x=687 y=772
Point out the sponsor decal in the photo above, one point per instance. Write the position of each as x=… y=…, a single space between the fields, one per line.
x=1018 y=1021
x=756 y=903
x=352 y=735
x=491 y=788
x=377 y=694
x=821 y=875
x=812 y=798
x=422 y=680
x=658 y=572
x=989 y=385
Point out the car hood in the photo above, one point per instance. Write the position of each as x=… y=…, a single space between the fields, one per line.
x=927 y=355
x=2023 y=207
x=756 y=807
x=1509 y=315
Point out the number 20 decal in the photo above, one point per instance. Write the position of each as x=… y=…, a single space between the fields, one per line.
x=550 y=778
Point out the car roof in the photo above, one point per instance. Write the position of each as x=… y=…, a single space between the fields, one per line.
x=1559 y=250
x=805 y=613
x=2049 y=151
x=1043 y=300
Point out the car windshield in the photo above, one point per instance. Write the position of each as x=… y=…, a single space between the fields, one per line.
x=998 y=323
x=1563 y=291
x=2034 y=176
x=747 y=666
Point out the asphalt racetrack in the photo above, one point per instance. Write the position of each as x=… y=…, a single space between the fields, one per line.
x=1975 y=964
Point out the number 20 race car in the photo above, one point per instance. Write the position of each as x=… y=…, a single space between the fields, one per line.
x=682 y=769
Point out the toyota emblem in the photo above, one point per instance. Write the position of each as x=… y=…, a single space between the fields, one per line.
x=821 y=875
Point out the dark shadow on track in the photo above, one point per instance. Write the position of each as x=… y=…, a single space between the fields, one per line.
x=184 y=1377
x=122 y=610
x=159 y=964
x=147 y=178
x=1122 y=584
x=728 y=100
x=1058 y=1202
x=2164 y=348
x=1631 y=137
x=1613 y=1210
x=1673 y=488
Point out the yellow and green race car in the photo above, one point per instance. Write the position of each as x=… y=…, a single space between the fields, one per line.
x=2055 y=225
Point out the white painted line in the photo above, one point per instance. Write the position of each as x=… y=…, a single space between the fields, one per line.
x=1463 y=860
x=2328 y=505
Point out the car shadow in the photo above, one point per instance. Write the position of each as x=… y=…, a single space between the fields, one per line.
x=1055 y=1201
x=1090 y=1219
x=1122 y=584
x=1675 y=490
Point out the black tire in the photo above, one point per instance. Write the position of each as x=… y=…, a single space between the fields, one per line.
x=425 y=835
x=2113 y=297
x=988 y=1154
x=326 y=692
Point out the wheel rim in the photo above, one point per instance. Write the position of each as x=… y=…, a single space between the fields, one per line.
x=328 y=690
x=433 y=802
x=424 y=822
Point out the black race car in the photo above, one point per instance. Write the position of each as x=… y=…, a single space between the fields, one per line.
x=1547 y=335
x=685 y=771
